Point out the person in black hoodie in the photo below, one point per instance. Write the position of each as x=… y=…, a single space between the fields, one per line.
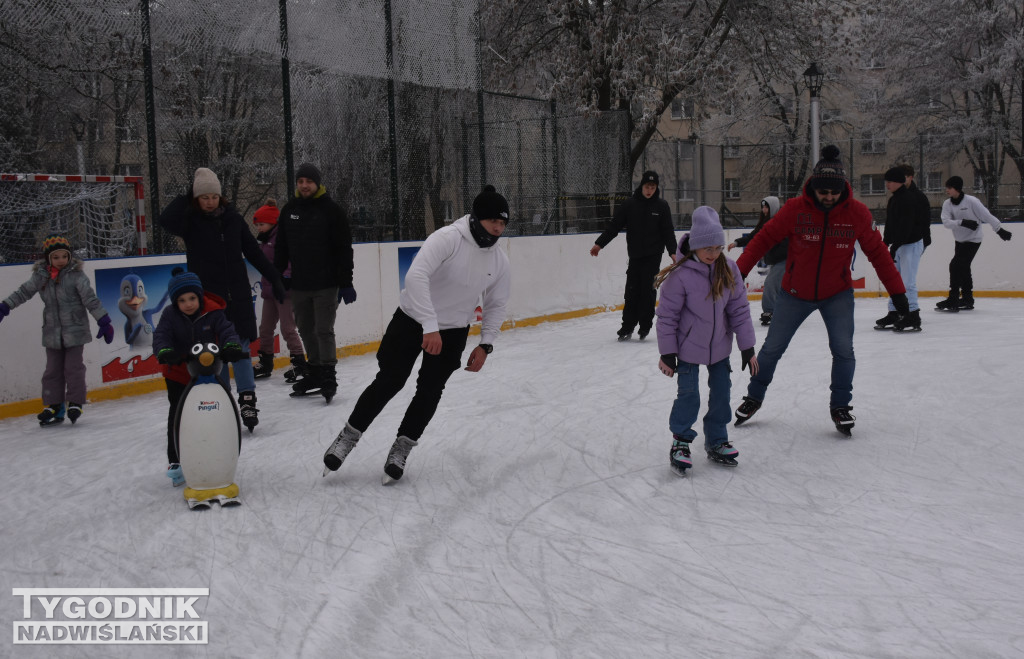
x=647 y=220
x=906 y=226
x=776 y=256
x=313 y=235
x=217 y=238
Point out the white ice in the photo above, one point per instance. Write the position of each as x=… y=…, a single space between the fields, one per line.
x=539 y=516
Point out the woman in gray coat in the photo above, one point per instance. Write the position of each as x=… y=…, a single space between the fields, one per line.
x=67 y=295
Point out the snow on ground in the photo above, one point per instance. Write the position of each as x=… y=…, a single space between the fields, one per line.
x=539 y=516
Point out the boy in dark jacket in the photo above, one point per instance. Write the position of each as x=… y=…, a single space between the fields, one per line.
x=194 y=317
x=313 y=235
x=647 y=220
x=906 y=229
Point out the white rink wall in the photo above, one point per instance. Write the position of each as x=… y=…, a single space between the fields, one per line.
x=551 y=275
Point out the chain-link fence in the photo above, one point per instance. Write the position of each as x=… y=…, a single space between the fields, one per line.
x=383 y=98
x=734 y=177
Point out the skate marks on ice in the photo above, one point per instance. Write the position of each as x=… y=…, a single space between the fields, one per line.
x=540 y=512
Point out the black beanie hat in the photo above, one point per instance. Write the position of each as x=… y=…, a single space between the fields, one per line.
x=309 y=170
x=650 y=176
x=956 y=183
x=183 y=281
x=829 y=173
x=488 y=205
x=896 y=175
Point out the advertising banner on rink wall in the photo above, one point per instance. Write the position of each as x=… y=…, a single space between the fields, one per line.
x=552 y=276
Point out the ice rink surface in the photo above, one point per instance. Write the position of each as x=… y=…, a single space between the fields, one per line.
x=539 y=517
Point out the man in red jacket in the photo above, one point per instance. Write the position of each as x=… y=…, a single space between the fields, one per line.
x=822 y=226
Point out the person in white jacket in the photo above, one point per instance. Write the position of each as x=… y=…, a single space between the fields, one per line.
x=963 y=214
x=456 y=266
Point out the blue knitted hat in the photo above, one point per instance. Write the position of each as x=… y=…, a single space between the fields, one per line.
x=183 y=281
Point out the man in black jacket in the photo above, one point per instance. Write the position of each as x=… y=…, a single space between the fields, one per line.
x=647 y=220
x=906 y=225
x=313 y=235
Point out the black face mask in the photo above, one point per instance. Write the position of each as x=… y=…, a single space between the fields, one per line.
x=480 y=234
x=264 y=236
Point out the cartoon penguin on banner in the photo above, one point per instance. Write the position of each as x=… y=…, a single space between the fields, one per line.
x=208 y=432
x=138 y=326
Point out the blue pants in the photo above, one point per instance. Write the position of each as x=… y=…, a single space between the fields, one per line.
x=245 y=378
x=908 y=258
x=790 y=313
x=687 y=403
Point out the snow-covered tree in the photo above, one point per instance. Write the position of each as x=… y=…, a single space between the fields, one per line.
x=953 y=72
x=639 y=55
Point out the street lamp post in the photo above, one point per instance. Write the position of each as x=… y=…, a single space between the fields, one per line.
x=814 y=79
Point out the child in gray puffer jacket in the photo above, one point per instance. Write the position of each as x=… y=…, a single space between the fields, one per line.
x=67 y=296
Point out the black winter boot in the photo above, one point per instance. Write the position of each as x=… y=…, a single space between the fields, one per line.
x=299 y=369
x=265 y=367
x=247 y=409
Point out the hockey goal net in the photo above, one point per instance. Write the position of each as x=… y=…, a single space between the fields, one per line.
x=102 y=216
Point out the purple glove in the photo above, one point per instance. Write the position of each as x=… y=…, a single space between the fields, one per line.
x=4 y=310
x=106 y=329
x=347 y=294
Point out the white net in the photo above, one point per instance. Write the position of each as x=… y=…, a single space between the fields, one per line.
x=99 y=218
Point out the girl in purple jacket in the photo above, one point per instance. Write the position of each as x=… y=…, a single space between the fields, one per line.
x=703 y=302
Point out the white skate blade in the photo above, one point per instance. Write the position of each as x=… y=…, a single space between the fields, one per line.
x=386 y=480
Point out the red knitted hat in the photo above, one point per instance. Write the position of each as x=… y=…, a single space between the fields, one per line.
x=266 y=214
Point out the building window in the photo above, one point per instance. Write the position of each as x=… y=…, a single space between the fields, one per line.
x=682 y=108
x=732 y=188
x=872 y=184
x=871 y=143
x=777 y=187
x=933 y=182
x=686 y=190
x=979 y=184
x=731 y=148
x=685 y=150
x=830 y=114
x=127 y=169
x=129 y=132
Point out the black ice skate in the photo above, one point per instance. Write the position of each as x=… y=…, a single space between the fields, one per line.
x=966 y=302
x=766 y=318
x=887 y=322
x=951 y=303
x=679 y=455
x=309 y=385
x=394 y=468
x=843 y=419
x=265 y=367
x=908 y=323
x=746 y=409
x=624 y=335
x=74 y=411
x=51 y=415
x=298 y=370
x=247 y=409
x=339 y=450
x=723 y=454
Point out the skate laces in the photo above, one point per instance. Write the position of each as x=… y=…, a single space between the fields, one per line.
x=842 y=414
x=748 y=406
x=400 y=451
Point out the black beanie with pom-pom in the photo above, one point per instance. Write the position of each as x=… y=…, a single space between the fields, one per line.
x=829 y=173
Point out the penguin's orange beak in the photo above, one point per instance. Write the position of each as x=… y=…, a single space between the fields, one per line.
x=206 y=359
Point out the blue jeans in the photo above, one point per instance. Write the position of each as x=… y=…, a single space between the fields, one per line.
x=772 y=286
x=790 y=313
x=687 y=403
x=908 y=258
x=245 y=378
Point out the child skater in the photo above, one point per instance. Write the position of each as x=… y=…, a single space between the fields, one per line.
x=265 y=222
x=703 y=302
x=67 y=295
x=193 y=316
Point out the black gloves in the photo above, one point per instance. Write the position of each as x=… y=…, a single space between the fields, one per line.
x=747 y=355
x=670 y=361
x=900 y=302
x=969 y=224
x=892 y=251
x=170 y=357
x=348 y=294
x=1004 y=234
x=232 y=352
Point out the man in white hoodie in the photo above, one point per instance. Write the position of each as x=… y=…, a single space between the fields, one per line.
x=456 y=265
